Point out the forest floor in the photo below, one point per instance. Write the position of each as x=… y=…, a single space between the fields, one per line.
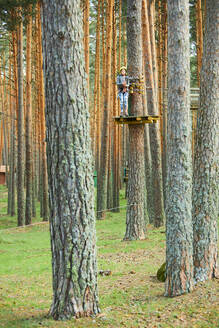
x=130 y=297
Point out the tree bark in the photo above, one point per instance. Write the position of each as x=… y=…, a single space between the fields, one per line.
x=164 y=90
x=29 y=154
x=179 y=264
x=206 y=163
x=135 y=222
x=44 y=176
x=155 y=142
x=199 y=37
x=104 y=155
x=69 y=157
x=20 y=130
x=115 y=129
x=147 y=63
x=97 y=89
x=86 y=38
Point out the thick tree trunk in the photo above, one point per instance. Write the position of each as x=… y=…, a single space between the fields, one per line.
x=206 y=162
x=179 y=264
x=135 y=222
x=70 y=169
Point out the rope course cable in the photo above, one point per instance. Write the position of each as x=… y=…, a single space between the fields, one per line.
x=46 y=222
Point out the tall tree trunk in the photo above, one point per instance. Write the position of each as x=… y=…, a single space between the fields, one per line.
x=97 y=88
x=11 y=135
x=149 y=85
x=115 y=153
x=104 y=156
x=44 y=176
x=135 y=223
x=72 y=220
x=155 y=142
x=164 y=93
x=29 y=155
x=1 y=139
x=199 y=37
x=151 y=18
x=206 y=163
x=179 y=265
x=120 y=34
x=124 y=36
x=12 y=171
x=20 y=130
x=11 y=132
x=13 y=109
x=86 y=38
x=103 y=46
x=2 y=110
x=121 y=132
x=160 y=61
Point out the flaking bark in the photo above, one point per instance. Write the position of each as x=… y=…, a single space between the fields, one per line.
x=71 y=190
x=179 y=262
x=206 y=162
x=135 y=221
x=20 y=130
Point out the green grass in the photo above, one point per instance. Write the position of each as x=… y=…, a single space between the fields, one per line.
x=9 y=221
x=131 y=297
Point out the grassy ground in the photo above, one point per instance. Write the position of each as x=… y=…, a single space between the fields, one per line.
x=130 y=297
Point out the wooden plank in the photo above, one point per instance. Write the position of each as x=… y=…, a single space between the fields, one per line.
x=135 y=122
x=136 y=119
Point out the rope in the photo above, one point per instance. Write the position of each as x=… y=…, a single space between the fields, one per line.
x=114 y=208
x=25 y=226
x=46 y=222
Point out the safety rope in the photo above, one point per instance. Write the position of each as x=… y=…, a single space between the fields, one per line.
x=46 y=222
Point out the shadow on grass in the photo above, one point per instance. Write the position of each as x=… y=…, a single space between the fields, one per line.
x=24 y=321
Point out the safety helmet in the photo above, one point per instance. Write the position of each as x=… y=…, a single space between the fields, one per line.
x=123 y=67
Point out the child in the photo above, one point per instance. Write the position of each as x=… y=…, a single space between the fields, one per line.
x=123 y=84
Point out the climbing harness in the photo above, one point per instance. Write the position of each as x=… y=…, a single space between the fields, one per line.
x=136 y=85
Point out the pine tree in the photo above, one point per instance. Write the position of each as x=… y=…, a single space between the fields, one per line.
x=29 y=155
x=179 y=250
x=104 y=154
x=20 y=128
x=206 y=177
x=72 y=221
x=135 y=223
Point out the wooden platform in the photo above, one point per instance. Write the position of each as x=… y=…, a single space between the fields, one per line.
x=193 y=107
x=136 y=119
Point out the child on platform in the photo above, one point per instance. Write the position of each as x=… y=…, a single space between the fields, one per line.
x=123 y=84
